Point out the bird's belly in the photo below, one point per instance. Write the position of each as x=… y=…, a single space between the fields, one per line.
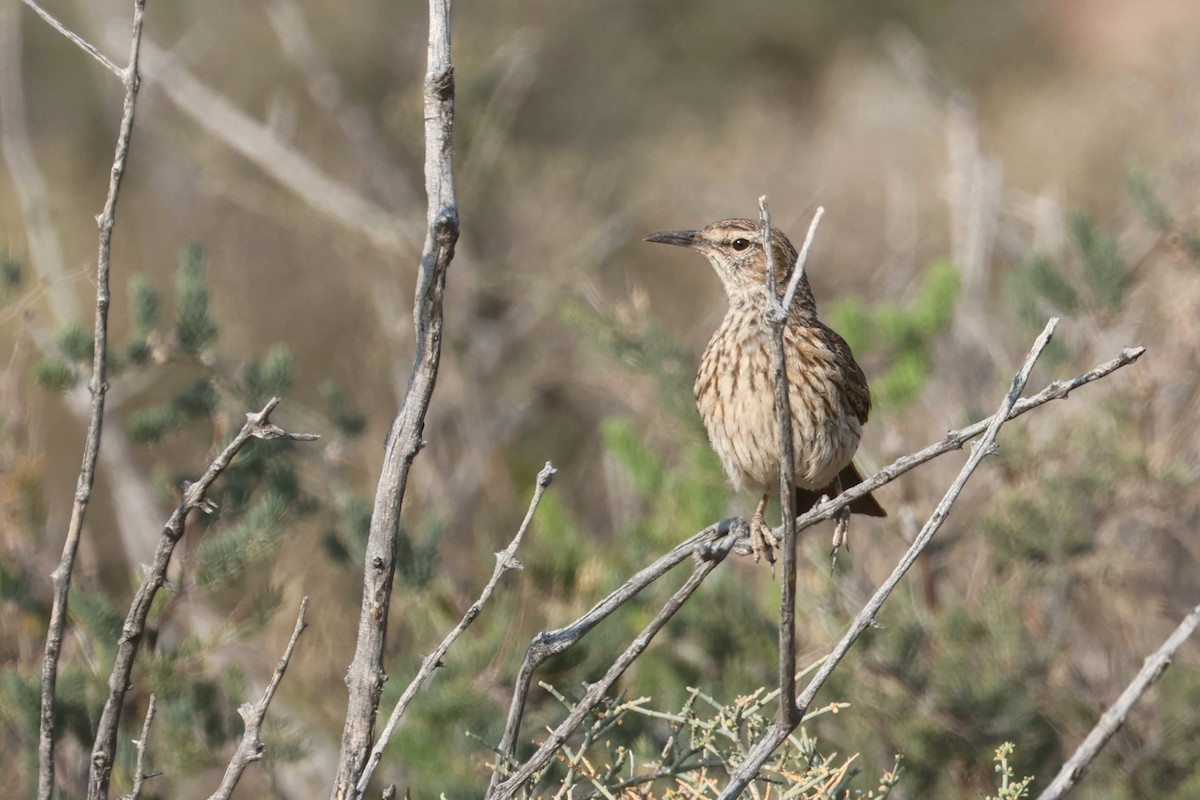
x=738 y=409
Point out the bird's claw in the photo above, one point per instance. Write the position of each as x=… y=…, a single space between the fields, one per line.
x=841 y=531
x=762 y=541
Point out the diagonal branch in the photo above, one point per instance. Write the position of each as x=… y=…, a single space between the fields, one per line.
x=549 y=643
x=251 y=747
x=140 y=776
x=505 y=561
x=705 y=563
x=83 y=44
x=98 y=386
x=766 y=746
x=257 y=426
x=366 y=674
x=1151 y=671
x=954 y=440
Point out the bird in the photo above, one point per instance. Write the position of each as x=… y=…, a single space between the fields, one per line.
x=735 y=390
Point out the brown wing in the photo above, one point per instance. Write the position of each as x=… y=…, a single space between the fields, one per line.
x=857 y=393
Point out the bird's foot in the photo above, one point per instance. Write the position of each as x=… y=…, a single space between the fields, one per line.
x=762 y=540
x=841 y=531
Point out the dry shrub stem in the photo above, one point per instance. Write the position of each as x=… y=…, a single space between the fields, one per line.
x=251 y=747
x=506 y=560
x=366 y=674
x=705 y=563
x=98 y=385
x=1156 y=664
x=85 y=45
x=776 y=316
x=765 y=747
x=258 y=426
x=140 y=776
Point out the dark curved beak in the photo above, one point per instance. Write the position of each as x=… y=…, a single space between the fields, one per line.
x=680 y=238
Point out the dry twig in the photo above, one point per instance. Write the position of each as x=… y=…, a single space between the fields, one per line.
x=366 y=674
x=139 y=770
x=705 y=563
x=505 y=560
x=251 y=747
x=98 y=385
x=257 y=426
x=1151 y=671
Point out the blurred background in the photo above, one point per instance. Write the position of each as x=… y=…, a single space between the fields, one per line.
x=982 y=167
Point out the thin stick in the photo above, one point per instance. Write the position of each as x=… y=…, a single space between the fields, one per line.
x=954 y=440
x=597 y=691
x=802 y=260
x=139 y=771
x=776 y=317
x=99 y=386
x=257 y=426
x=251 y=747
x=87 y=47
x=505 y=560
x=1151 y=671
x=766 y=746
x=366 y=674
x=549 y=643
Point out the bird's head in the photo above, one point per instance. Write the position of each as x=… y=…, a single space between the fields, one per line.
x=734 y=247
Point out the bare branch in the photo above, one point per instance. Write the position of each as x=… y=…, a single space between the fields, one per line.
x=776 y=317
x=139 y=771
x=98 y=386
x=505 y=561
x=762 y=750
x=1151 y=671
x=251 y=747
x=802 y=260
x=194 y=496
x=954 y=440
x=87 y=47
x=596 y=692
x=366 y=674
x=549 y=643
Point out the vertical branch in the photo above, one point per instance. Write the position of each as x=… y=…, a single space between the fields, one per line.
x=366 y=675
x=776 y=317
x=98 y=385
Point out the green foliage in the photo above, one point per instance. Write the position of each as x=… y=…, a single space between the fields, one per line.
x=75 y=344
x=901 y=337
x=95 y=614
x=349 y=422
x=149 y=425
x=1009 y=788
x=271 y=377
x=194 y=326
x=554 y=564
x=224 y=556
x=1146 y=200
x=11 y=275
x=417 y=561
x=54 y=375
x=145 y=305
x=1104 y=269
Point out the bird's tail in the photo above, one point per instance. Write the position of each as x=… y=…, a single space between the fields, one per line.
x=866 y=505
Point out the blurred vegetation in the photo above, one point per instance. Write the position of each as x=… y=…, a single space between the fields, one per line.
x=579 y=130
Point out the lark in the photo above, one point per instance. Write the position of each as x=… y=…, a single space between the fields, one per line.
x=735 y=391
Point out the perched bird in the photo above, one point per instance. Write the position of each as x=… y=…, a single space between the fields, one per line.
x=735 y=391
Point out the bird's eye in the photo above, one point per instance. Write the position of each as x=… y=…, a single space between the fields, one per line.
x=740 y=244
